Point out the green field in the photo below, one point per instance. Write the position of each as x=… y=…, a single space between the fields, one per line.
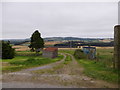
x=25 y=60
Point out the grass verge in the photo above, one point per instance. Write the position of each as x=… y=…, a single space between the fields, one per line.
x=23 y=62
x=98 y=71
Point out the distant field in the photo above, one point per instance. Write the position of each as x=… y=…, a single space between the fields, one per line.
x=52 y=42
x=21 y=48
x=26 y=48
x=105 y=47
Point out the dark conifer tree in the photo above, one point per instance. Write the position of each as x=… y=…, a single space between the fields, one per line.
x=36 y=43
x=7 y=51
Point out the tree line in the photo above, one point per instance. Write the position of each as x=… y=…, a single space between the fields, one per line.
x=74 y=44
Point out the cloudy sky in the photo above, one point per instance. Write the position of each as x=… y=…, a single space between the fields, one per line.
x=59 y=19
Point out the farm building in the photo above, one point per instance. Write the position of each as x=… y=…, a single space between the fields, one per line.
x=90 y=52
x=50 y=52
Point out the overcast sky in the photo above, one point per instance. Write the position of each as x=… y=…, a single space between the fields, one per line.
x=75 y=19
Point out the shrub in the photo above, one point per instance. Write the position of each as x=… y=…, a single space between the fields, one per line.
x=7 y=51
x=78 y=54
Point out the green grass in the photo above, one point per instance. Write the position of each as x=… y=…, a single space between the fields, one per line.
x=35 y=61
x=23 y=62
x=106 y=57
x=26 y=53
x=17 y=58
x=98 y=71
x=67 y=51
x=67 y=59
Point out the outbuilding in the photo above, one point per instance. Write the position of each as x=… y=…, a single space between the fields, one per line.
x=90 y=52
x=50 y=52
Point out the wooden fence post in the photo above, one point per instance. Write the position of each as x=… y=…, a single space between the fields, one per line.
x=117 y=46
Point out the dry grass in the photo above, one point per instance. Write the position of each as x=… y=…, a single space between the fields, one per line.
x=52 y=42
x=26 y=48
x=105 y=47
x=21 y=48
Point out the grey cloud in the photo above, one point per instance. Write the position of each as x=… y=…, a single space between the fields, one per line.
x=59 y=19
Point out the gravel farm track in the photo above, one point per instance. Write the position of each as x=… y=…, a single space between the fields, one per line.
x=55 y=75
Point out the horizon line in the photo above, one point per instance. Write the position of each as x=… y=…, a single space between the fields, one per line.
x=56 y=37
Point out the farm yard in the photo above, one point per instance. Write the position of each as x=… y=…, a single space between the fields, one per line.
x=64 y=71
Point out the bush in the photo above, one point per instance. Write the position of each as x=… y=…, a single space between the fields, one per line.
x=7 y=51
x=78 y=54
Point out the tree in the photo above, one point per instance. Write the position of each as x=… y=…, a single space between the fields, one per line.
x=36 y=43
x=7 y=51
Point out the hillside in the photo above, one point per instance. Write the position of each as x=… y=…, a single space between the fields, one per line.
x=21 y=41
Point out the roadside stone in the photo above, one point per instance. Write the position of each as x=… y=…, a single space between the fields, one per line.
x=92 y=81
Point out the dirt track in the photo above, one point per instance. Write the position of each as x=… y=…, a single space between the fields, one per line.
x=56 y=75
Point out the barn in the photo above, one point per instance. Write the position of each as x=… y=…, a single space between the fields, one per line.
x=50 y=52
x=90 y=52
